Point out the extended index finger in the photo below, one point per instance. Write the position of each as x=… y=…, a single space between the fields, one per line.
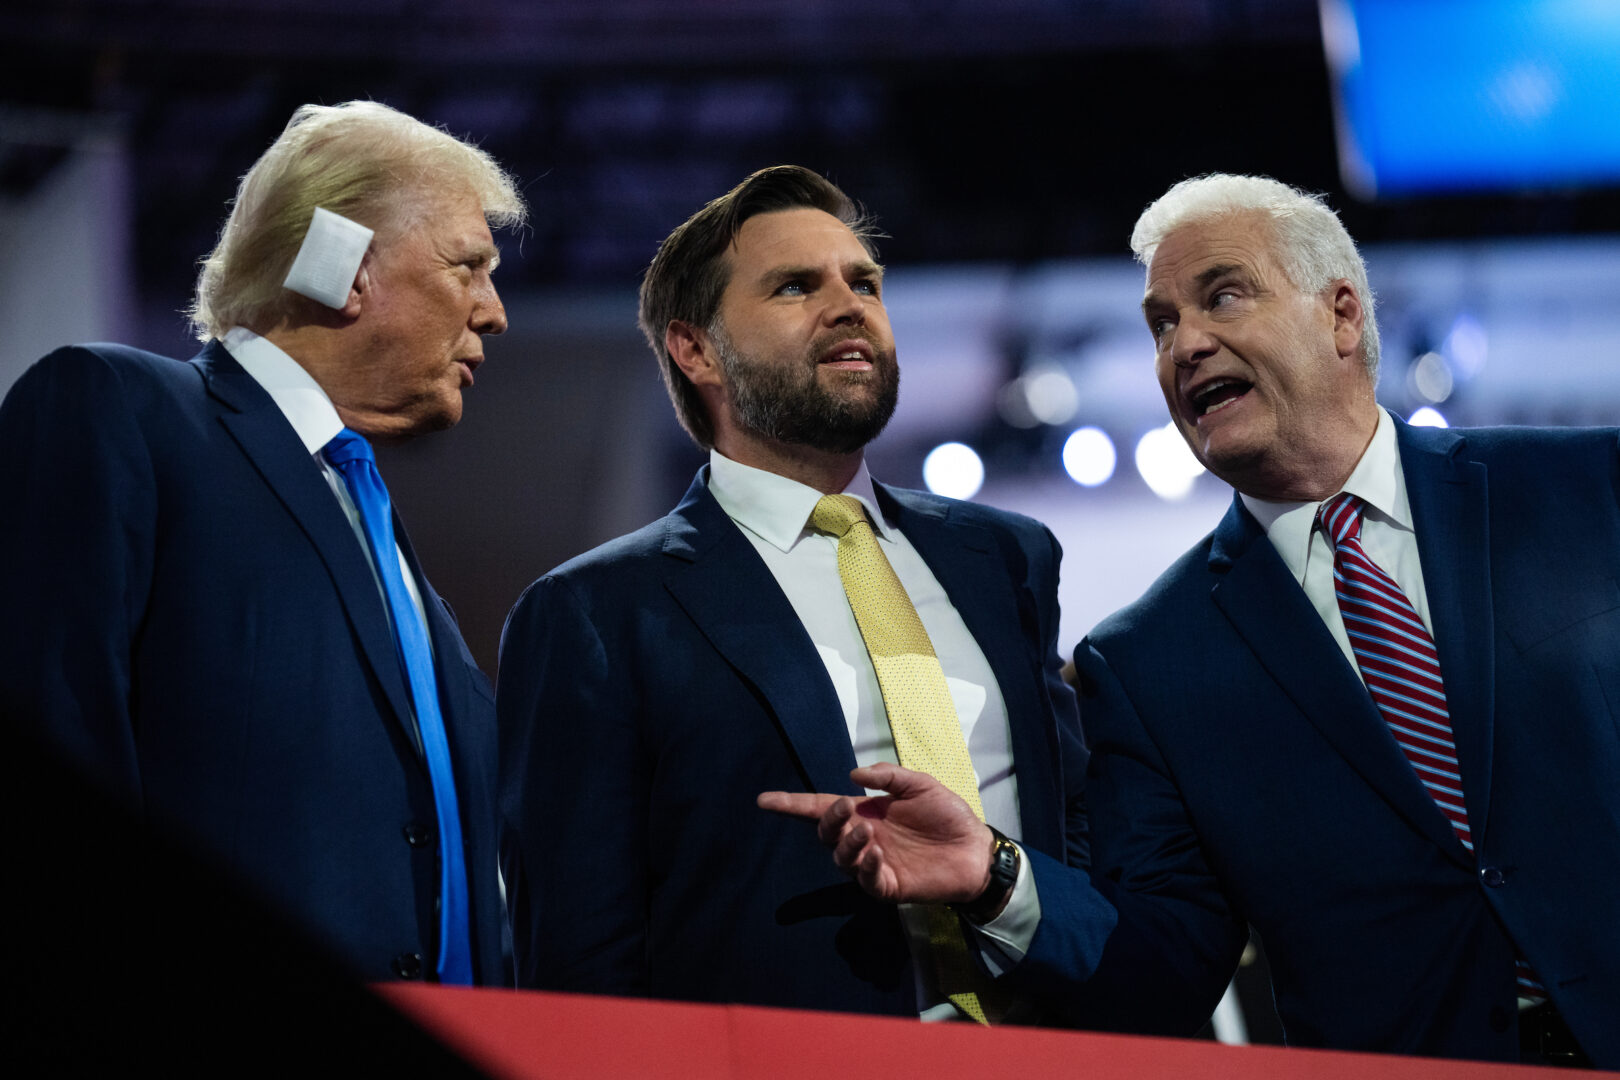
x=804 y=804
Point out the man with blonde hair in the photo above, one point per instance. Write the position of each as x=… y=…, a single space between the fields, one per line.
x=208 y=603
x=1371 y=715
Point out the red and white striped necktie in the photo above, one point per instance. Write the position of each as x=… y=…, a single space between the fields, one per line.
x=1398 y=660
x=1401 y=668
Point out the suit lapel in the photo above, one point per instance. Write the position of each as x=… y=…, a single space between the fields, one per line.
x=270 y=443
x=455 y=680
x=1450 y=512
x=728 y=592
x=969 y=566
x=1271 y=613
x=468 y=723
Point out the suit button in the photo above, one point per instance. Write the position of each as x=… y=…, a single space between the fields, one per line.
x=1493 y=877
x=417 y=834
x=408 y=965
x=1499 y=1018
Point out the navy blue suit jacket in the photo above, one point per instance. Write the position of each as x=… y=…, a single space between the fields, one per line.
x=187 y=613
x=650 y=689
x=1241 y=773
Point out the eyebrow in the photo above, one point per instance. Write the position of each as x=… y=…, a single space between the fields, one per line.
x=777 y=275
x=1204 y=280
x=867 y=268
x=1210 y=276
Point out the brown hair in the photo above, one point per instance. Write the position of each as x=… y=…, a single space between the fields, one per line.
x=689 y=274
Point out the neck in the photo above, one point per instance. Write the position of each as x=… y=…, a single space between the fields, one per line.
x=319 y=350
x=828 y=473
x=1325 y=473
x=312 y=345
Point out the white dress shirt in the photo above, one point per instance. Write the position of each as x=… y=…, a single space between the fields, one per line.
x=773 y=513
x=315 y=420
x=1386 y=535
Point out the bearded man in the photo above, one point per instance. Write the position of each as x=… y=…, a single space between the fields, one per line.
x=790 y=620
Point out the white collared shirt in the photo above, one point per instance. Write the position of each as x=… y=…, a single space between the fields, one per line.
x=773 y=513
x=315 y=420
x=1387 y=535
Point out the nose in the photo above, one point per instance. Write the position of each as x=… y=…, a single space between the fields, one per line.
x=488 y=314
x=1191 y=341
x=845 y=306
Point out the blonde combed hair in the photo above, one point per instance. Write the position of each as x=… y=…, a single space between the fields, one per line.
x=363 y=160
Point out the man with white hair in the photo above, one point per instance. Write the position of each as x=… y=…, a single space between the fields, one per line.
x=1372 y=714
x=208 y=603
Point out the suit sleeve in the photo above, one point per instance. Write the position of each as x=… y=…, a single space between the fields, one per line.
x=1166 y=963
x=1071 y=745
x=77 y=484
x=574 y=797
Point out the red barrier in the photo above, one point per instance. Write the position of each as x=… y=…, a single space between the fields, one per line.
x=519 y=1035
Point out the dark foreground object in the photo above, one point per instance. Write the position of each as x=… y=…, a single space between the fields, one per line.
x=130 y=955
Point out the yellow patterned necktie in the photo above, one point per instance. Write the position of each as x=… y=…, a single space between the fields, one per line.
x=922 y=716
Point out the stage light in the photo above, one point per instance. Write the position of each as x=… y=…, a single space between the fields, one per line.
x=1466 y=345
x=1431 y=377
x=1089 y=457
x=1427 y=417
x=1050 y=394
x=1013 y=403
x=1166 y=464
x=953 y=469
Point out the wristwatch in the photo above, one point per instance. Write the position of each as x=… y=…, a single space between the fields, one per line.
x=1004 y=860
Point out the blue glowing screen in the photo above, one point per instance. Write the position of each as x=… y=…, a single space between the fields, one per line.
x=1458 y=95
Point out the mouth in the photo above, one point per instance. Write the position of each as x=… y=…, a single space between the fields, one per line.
x=1217 y=394
x=851 y=355
x=468 y=365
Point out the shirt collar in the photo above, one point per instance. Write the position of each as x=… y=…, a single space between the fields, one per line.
x=293 y=389
x=777 y=509
x=1376 y=480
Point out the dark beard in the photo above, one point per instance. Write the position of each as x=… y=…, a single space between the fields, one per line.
x=788 y=405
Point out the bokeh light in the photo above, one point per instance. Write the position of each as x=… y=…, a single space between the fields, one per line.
x=1166 y=464
x=954 y=470
x=1089 y=456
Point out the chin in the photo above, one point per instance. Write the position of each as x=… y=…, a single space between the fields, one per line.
x=446 y=416
x=1251 y=470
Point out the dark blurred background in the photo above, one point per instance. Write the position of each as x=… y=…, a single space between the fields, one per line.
x=1005 y=145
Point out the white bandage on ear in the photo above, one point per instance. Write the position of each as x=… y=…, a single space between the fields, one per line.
x=329 y=258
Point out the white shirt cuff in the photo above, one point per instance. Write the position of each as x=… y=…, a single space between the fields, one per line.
x=1005 y=939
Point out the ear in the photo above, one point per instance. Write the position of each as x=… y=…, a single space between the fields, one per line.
x=1349 y=317
x=359 y=289
x=694 y=353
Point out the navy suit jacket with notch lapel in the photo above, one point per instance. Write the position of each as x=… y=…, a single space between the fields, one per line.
x=1240 y=772
x=650 y=689
x=189 y=615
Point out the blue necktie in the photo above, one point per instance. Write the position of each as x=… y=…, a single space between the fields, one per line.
x=351 y=455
